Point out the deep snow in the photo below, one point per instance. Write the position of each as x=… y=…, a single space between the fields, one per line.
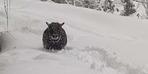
x=97 y=42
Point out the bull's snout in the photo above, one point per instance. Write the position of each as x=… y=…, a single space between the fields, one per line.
x=55 y=37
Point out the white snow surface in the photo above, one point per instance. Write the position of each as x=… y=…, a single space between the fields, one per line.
x=98 y=43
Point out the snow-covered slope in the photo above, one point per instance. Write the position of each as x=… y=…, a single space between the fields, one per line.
x=97 y=42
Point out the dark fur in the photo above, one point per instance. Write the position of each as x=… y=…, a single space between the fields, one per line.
x=54 y=37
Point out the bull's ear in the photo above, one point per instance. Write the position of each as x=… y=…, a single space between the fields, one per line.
x=62 y=24
x=47 y=23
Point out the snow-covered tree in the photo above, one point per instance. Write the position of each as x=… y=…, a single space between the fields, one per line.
x=89 y=3
x=128 y=7
x=145 y=5
x=74 y=2
x=120 y=7
x=59 y=1
x=108 y=6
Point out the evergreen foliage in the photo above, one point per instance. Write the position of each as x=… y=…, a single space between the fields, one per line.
x=128 y=8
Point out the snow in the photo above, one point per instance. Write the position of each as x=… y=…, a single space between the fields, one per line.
x=97 y=42
x=37 y=62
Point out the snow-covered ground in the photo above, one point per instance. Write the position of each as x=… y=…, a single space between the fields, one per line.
x=97 y=42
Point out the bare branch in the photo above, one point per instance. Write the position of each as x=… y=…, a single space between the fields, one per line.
x=6 y=7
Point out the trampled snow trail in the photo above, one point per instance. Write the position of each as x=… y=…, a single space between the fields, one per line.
x=101 y=61
x=96 y=43
x=29 y=55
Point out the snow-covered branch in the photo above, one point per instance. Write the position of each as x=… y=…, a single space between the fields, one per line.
x=142 y=1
